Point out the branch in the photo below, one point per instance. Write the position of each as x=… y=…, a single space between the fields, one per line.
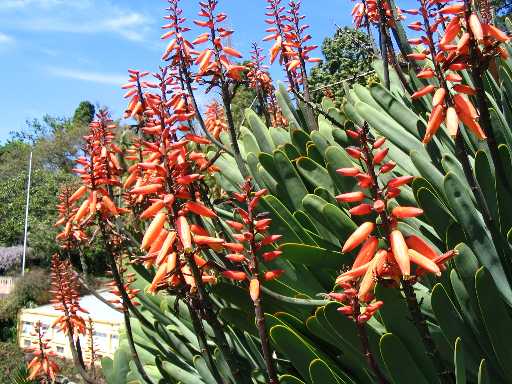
x=319 y=111
x=293 y=300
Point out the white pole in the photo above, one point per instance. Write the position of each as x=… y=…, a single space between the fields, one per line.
x=26 y=216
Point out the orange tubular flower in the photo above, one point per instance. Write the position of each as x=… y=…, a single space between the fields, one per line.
x=367 y=12
x=250 y=227
x=71 y=234
x=215 y=62
x=42 y=364
x=448 y=58
x=290 y=41
x=66 y=297
x=215 y=119
x=403 y=257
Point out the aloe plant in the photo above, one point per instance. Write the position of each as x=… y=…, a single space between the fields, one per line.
x=188 y=315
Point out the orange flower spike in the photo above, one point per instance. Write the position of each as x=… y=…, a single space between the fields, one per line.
x=464 y=106
x=358 y=236
x=152 y=210
x=400 y=252
x=78 y=194
x=418 y=244
x=183 y=231
x=236 y=257
x=452 y=30
x=172 y=261
x=146 y=189
x=423 y=92
x=368 y=282
x=472 y=125
x=156 y=245
x=153 y=230
x=200 y=209
x=424 y=262
x=452 y=121
x=406 y=212
x=351 y=197
x=426 y=74
x=274 y=274
x=438 y=97
x=476 y=27
x=366 y=252
x=353 y=273
x=93 y=202
x=166 y=247
x=208 y=241
x=159 y=277
x=235 y=275
x=496 y=33
x=82 y=211
x=463 y=42
x=130 y=180
x=231 y=52
x=254 y=289
x=434 y=122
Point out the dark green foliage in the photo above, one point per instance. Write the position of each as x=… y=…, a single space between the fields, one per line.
x=55 y=142
x=347 y=54
x=243 y=99
x=42 y=212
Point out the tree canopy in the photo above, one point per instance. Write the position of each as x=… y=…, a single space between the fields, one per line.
x=54 y=142
x=348 y=53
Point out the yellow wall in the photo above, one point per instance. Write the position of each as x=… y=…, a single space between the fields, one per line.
x=106 y=337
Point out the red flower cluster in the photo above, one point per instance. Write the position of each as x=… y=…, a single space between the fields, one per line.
x=367 y=12
x=251 y=236
x=71 y=233
x=100 y=171
x=258 y=75
x=179 y=51
x=372 y=262
x=290 y=41
x=215 y=119
x=216 y=61
x=447 y=57
x=66 y=297
x=42 y=364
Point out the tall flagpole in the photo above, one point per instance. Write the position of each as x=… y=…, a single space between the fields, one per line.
x=26 y=216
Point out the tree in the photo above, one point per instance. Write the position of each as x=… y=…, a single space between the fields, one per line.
x=42 y=214
x=84 y=113
x=55 y=143
x=348 y=53
x=243 y=99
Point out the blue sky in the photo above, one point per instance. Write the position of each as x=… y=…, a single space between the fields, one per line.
x=56 y=53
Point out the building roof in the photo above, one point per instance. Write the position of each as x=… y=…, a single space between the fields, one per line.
x=98 y=310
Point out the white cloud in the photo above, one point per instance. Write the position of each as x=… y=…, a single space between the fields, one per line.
x=93 y=77
x=10 y=4
x=75 y=16
x=5 y=39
